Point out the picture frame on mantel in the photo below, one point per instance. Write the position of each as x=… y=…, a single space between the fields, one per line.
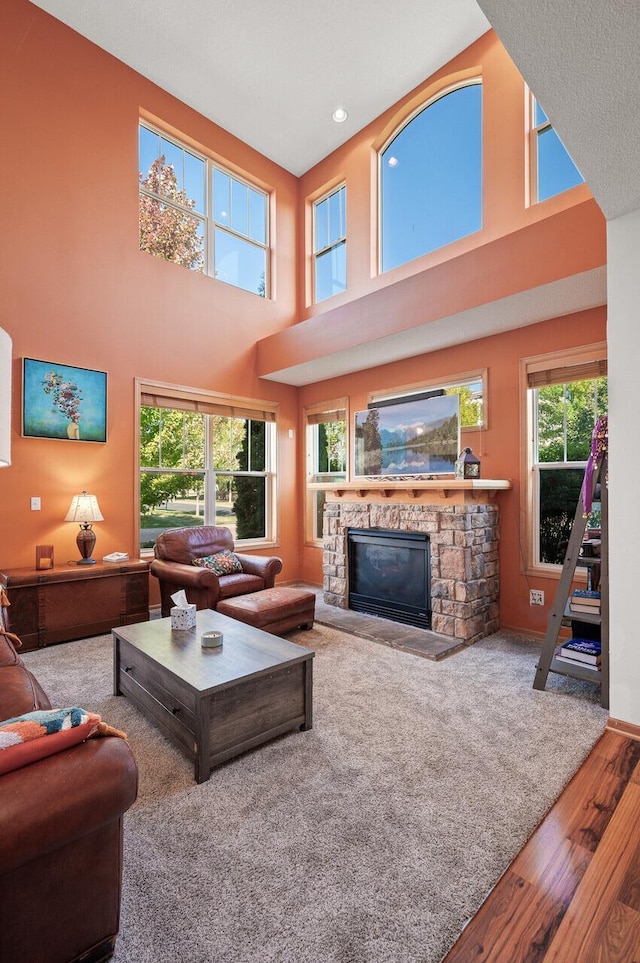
x=63 y=401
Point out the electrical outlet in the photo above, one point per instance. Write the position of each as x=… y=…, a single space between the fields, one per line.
x=536 y=597
x=35 y=504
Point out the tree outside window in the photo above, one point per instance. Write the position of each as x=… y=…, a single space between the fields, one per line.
x=199 y=216
x=204 y=469
x=326 y=460
x=565 y=415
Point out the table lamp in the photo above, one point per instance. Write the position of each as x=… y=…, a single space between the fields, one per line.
x=85 y=510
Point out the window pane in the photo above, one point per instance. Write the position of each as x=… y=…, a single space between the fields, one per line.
x=181 y=439
x=171 y=234
x=225 y=439
x=322 y=225
x=221 y=197
x=332 y=447
x=257 y=217
x=173 y=157
x=194 y=169
x=331 y=272
x=250 y=506
x=149 y=147
x=239 y=207
x=540 y=116
x=336 y=216
x=551 y=413
x=559 y=492
x=471 y=401
x=171 y=500
x=556 y=170
x=431 y=178
x=257 y=445
x=240 y=263
x=566 y=415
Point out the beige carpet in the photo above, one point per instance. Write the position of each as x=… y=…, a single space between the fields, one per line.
x=371 y=838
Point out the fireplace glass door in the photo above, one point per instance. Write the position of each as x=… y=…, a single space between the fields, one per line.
x=389 y=575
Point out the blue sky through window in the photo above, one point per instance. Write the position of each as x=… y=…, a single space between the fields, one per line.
x=431 y=178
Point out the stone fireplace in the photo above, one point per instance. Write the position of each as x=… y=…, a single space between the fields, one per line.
x=463 y=536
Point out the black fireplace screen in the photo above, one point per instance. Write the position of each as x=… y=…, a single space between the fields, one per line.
x=389 y=574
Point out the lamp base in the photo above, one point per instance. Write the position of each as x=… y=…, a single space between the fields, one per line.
x=86 y=540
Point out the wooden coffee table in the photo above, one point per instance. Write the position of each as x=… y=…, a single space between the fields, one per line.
x=214 y=703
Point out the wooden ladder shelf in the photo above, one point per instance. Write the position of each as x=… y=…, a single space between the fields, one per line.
x=561 y=614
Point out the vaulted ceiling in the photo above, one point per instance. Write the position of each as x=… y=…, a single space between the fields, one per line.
x=272 y=73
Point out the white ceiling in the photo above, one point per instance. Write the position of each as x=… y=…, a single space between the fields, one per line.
x=272 y=71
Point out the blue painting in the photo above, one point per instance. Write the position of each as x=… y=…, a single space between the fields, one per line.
x=417 y=437
x=62 y=401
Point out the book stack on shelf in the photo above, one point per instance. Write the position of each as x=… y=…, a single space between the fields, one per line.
x=581 y=652
x=585 y=601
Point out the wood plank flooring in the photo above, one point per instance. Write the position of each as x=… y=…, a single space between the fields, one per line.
x=572 y=895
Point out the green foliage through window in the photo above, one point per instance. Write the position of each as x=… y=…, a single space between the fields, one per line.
x=200 y=469
x=565 y=415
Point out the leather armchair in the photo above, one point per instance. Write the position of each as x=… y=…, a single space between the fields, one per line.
x=174 y=552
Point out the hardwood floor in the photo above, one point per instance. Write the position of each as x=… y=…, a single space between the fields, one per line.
x=572 y=895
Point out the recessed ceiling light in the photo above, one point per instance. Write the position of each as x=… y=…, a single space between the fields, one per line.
x=340 y=115
x=393 y=162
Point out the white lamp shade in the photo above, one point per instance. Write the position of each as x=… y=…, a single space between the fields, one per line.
x=5 y=399
x=84 y=508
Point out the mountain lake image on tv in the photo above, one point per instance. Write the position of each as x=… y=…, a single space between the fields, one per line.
x=417 y=437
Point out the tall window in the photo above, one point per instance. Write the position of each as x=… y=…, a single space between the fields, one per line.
x=204 y=461
x=552 y=169
x=431 y=178
x=330 y=244
x=326 y=457
x=565 y=404
x=200 y=216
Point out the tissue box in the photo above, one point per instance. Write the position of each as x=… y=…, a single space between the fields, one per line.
x=183 y=618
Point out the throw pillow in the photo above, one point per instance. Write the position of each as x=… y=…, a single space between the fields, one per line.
x=34 y=735
x=222 y=563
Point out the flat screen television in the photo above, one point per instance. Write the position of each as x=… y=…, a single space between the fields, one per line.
x=416 y=437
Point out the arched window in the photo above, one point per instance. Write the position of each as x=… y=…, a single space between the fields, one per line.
x=431 y=178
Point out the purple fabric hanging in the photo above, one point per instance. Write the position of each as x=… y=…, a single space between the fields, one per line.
x=599 y=450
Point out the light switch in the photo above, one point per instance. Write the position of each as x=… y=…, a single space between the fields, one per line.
x=35 y=504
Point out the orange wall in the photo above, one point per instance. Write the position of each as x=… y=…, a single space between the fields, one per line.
x=498 y=447
x=76 y=289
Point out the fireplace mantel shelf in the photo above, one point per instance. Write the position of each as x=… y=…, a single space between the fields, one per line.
x=459 y=489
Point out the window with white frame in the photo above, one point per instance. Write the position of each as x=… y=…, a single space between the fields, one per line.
x=326 y=445
x=430 y=177
x=565 y=400
x=198 y=215
x=330 y=244
x=205 y=460
x=552 y=169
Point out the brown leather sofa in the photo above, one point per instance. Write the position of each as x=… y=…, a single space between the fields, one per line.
x=174 y=552
x=60 y=838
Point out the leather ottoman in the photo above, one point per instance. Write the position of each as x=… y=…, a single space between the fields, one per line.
x=273 y=610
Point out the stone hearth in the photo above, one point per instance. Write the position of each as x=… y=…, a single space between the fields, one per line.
x=464 y=558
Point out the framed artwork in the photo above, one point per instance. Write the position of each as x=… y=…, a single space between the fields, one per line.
x=61 y=401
